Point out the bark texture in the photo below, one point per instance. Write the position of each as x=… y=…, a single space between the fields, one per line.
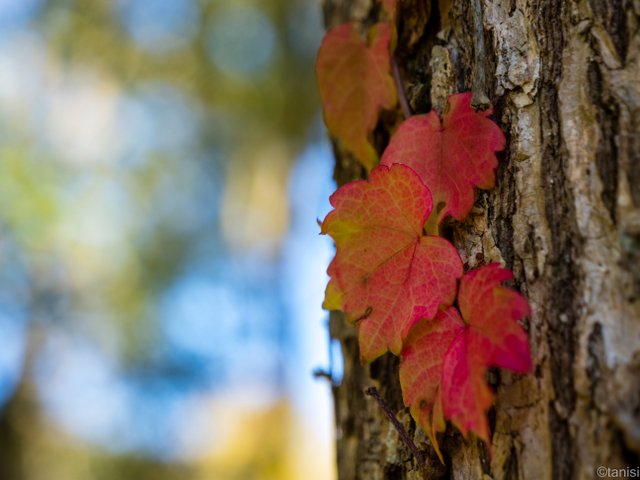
x=564 y=78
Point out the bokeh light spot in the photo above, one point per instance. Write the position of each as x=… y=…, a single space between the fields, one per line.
x=241 y=40
x=160 y=26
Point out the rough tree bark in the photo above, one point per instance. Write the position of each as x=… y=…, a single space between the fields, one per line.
x=564 y=78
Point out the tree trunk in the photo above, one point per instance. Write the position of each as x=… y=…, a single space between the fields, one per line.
x=564 y=79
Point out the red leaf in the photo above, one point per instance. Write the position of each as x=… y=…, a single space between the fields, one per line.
x=465 y=394
x=490 y=335
x=387 y=274
x=453 y=156
x=355 y=83
x=493 y=312
x=421 y=368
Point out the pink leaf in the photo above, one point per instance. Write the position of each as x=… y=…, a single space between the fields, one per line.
x=453 y=156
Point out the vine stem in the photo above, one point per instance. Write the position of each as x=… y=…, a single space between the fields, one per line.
x=404 y=104
x=373 y=392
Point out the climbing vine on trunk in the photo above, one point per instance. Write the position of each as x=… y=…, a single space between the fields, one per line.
x=394 y=276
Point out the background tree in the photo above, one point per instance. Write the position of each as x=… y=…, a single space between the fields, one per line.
x=151 y=264
x=564 y=217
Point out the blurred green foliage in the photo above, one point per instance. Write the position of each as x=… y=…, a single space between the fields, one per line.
x=99 y=217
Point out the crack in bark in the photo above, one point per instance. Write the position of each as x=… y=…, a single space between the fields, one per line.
x=564 y=276
x=608 y=118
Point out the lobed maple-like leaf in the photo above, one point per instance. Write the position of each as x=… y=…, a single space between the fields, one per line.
x=453 y=156
x=493 y=311
x=386 y=274
x=444 y=360
x=355 y=83
x=421 y=369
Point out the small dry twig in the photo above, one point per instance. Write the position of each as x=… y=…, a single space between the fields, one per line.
x=373 y=392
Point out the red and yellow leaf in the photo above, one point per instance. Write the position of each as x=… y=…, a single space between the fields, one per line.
x=355 y=83
x=444 y=360
x=387 y=274
x=421 y=369
x=453 y=156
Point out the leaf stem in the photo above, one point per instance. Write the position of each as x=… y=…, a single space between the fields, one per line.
x=402 y=98
x=480 y=100
x=373 y=392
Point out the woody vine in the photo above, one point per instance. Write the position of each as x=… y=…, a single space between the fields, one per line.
x=394 y=276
